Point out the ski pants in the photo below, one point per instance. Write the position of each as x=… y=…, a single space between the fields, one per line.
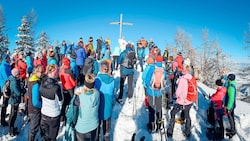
x=13 y=115
x=231 y=119
x=67 y=95
x=105 y=125
x=35 y=120
x=49 y=127
x=115 y=58
x=175 y=110
x=4 y=107
x=130 y=85
x=89 y=136
x=154 y=108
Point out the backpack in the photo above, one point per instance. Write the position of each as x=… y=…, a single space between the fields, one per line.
x=71 y=119
x=192 y=90
x=168 y=66
x=129 y=60
x=179 y=60
x=157 y=80
x=88 y=67
x=6 y=89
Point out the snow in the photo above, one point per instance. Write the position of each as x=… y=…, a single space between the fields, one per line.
x=132 y=117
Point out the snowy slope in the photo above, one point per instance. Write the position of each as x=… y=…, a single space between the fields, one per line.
x=132 y=118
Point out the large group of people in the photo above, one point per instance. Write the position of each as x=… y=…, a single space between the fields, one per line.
x=47 y=82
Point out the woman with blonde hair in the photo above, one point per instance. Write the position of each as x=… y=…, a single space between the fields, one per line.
x=88 y=100
x=52 y=100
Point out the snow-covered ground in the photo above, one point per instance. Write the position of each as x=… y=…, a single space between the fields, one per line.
x=132 y=118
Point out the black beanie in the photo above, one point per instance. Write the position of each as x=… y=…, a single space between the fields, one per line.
x=231 y=77
x=218 y=82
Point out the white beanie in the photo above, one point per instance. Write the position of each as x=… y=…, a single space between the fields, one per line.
x=187 y=62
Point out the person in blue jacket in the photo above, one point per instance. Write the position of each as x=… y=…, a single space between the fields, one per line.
x=104 y=83
x=29 y=61
x=80 y=60
x=155 y=95
x=34 y=101
x=63 y=50
x=140 y=55
x=88 y=120
x=73 y=66
x=5 y=72
x=126 y=72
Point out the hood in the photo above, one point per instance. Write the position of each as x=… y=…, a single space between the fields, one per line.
x=187 y=76
x=33 y=78
x=48 y=83
x=106 y=78
x=88 y=61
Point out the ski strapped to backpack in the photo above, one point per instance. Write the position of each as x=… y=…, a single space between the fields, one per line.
x=6 y=89
x=157 y=80
x=192 y=94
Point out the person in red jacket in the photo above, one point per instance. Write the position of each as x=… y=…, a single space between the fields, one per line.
x=217 y=101
x=68 y=81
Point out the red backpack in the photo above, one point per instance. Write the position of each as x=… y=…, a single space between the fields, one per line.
x=192 y=90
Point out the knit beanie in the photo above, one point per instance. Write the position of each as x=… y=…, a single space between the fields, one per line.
x=231 y=77
x=218 y=82
x=15 y=72
x=89 y=81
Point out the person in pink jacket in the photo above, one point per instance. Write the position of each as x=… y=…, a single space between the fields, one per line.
x=181 y=102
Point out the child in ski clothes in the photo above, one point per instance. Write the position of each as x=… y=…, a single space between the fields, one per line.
x=150 y=63
x=126 y=72
x=230 y=103
x=5 y=72
x=217 y=99
x=105 y=84
x=107 y=58
x=14 y=100
x=68 y=81
x=181 y=102
x=34 y=101
x=87 y=121
x=52 y=100
x=155 y=95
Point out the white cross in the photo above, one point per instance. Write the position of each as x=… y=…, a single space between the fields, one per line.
x=121 y=23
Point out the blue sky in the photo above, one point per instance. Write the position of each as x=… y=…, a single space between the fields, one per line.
x=68 y=20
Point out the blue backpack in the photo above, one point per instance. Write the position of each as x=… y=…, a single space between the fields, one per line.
x=71 y=116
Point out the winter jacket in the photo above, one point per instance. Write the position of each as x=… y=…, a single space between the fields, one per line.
x=34 y=101
x=80 y=55
x=145 y=74
x=224 y=78
x=67 y=78
x=141 y=52
x=52 y=97
x=153 y=92
x=52 y=60
x=73 y=67
x=231 y=95
x=105 y=84
x=29 y=62
x=123 y=70
x=117 y=51
x=45 y=61
x=38 y=62
x=88 y=111
x=179 y=59
x=99 y=45
x=104 y=48
x=15 y=88
x=95 y=67
x=22 y=67
x=182 y=89
x=63 y=49
x=5 y=72
x=90 y=48
x=218 y=96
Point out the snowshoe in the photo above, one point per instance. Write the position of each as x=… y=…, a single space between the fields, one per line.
x=179 y=121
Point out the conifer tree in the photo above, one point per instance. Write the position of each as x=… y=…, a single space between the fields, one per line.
x=4 y=43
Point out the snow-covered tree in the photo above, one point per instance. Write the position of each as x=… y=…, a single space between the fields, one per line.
x=179 y=39
x=4 y=43
x=26 y=31
x=43 y=41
